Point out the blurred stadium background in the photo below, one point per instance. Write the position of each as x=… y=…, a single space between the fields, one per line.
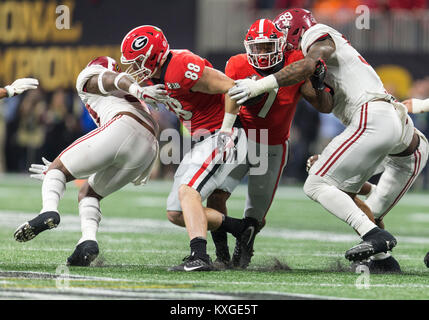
x=43 y=122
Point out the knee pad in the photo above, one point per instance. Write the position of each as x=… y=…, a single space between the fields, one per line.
x=313 y=186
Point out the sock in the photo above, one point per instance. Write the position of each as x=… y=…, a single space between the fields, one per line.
x=53 y=188
x=90 y=217
x=338 y=203
x=231 y=225
x=220 y=237
x=199 y=247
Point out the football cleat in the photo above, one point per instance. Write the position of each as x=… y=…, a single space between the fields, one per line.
x=44 y=221
x=84 y=254
x=243 y=250
x=193 y=263
x=223 y=258
x=375 y=241
x=426 y=260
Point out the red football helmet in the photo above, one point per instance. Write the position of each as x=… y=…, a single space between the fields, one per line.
x=106 y=62
x=293 y=23
x=264 y=44
x=144 y=48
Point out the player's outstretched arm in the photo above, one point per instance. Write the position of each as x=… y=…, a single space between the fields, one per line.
x=213 y=81
x=109 y=81
x=417 y=105
x=18 y=87
x=303 y=69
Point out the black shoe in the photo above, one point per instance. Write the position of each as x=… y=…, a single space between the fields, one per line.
x=243 y=250
x=223 y=258
x=84 y=254
x=193 y=263
x=375 y=241
x=426 y=260
x=388 y=265
x=44 y=221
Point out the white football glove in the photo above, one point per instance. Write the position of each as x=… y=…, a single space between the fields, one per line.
x=245 y=89
x=39 y=170
x=150 y=94
x=21 y=85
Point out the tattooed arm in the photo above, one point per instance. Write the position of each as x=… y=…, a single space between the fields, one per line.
x=289 y=75
x=302 y=69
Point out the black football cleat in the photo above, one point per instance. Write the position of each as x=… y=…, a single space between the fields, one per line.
x=83 y=254
x=375 y=241
x=193 y=263
x=426 y=260
x=223 y=258
x=44 y=221
x=388 y=265
x=243 y=251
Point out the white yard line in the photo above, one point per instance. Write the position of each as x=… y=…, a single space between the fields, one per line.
x=71 y=222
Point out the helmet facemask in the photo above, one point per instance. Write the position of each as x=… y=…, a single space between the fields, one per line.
x=264 y=53
x=137 y=68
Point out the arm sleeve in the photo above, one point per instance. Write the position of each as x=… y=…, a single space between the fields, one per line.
x=315 y=33
x=85 y=74
x=230 y=69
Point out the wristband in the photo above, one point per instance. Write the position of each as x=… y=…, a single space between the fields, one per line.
x=9 y=92
x=119 y=77
x=228 y=122
x=268 y=83
x=419 y=106
x=100 y=82
x=134 y=89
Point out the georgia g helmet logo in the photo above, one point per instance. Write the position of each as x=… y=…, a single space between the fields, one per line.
x=139 y=43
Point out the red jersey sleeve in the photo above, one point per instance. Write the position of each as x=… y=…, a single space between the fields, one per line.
x=186 y=70
x=230 y=69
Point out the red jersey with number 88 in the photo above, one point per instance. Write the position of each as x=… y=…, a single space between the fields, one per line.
x=274 y=110
x=196 y=110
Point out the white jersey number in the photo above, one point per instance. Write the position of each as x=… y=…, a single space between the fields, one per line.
x=268 y=103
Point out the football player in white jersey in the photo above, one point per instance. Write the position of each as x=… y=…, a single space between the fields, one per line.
x=121 y=150
x=376 y=124
x=18 y=87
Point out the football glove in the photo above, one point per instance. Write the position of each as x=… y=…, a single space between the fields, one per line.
x=39 y=170
x=246 y=89
x=311 y=161
x=318 y=77
x=150 y=94
x=21 y=85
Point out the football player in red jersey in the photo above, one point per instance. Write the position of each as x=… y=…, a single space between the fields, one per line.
x=377 y=125
x=265 y=54
x=197 y=96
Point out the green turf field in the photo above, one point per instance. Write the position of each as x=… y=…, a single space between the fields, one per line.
x=299 y=254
